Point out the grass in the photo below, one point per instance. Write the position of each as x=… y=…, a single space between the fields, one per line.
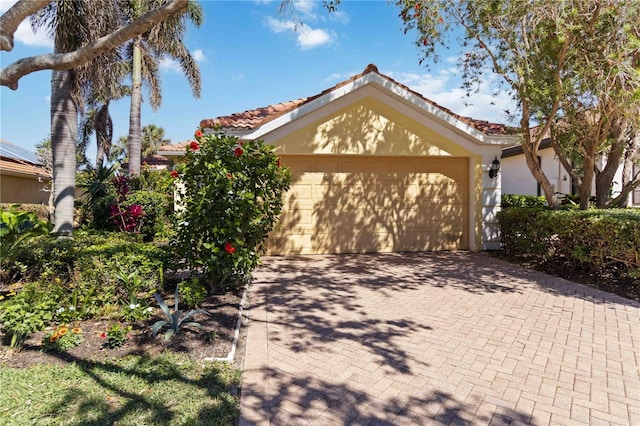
x=135 y=390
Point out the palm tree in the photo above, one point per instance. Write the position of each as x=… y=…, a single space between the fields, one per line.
x=152 y=139
x=145 y=52
x=72 y=23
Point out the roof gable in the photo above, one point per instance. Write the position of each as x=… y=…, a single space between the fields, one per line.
x=253 y=124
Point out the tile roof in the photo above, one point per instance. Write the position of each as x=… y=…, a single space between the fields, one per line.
x=177 y=147
x=15 y=159
x=22 y=167
x=252 y=119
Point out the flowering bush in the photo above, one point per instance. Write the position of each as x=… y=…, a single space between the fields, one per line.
x=125 y=218
x=136 y=311
x=116 y=335
x=232 y=198
x=62 y=338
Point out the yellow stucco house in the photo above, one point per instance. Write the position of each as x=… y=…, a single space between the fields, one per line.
x=22 y=178
x=377 y=167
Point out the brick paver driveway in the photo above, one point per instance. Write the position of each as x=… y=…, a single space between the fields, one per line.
x=435 y=338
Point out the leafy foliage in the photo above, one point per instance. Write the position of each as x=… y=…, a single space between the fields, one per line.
x=516 y=200
x=116 y=335
x=16 y=226
x=94 y=275
x=30 y=310
x=572 y=68
x=232 y=197
x=596 y=241
x=193 y=292
x=62 y=339
x=175 y=321
x=140 y=204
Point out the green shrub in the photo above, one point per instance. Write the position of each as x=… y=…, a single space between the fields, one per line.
x=155 y=206
x=110 y=201
x=232 y=198
x=30 y=310
x=598 y=241
x=18 y=226
x=193 y=292
x=41 y=210
x=116 y=335
x=62 y=339
x=515 y=200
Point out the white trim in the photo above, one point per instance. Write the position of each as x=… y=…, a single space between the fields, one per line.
x=446 y=122
x=472 y=204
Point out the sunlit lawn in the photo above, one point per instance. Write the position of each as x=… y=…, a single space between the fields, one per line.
x=137 y=390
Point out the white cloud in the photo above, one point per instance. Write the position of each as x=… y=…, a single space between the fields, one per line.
x=339 y=16
x=442 y=89
x=168 y=64
x=24 y=34
x=306 y=8
x=237 y=77
x=309 y=38
x=278 y=26
x=198 y=55
x=306 y=36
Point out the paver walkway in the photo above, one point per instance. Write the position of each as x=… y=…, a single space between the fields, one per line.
x=435 y=338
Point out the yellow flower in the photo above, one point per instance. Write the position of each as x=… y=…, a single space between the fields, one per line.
x=53 y=338
x=1 y=297
x=58 y=280
x=76 y=330
x=62 y=331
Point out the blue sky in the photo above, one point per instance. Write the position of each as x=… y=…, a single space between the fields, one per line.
x=250 y=55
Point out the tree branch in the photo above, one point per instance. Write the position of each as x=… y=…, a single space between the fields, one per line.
x=10 y=75
x=11 y=19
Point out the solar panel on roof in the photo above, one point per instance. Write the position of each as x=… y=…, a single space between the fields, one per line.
x=15 y=152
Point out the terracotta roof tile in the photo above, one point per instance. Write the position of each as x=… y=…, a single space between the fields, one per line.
x=252 y=119
x=22 y=167
x=177 y=147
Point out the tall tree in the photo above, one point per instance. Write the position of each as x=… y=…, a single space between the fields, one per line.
x=80 y=36
x=547 y=55
x=152 y=139
x=145 y=52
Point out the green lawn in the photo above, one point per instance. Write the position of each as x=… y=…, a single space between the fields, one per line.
x=136 y=390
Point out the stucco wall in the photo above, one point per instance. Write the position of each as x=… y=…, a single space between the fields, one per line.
x=15 y=189
x=368 y=127
x=517 y=178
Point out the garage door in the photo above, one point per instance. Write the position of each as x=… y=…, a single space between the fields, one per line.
x=349 y=204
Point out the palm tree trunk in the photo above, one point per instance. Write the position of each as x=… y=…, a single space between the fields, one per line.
x=135 y=142
x=64 y=128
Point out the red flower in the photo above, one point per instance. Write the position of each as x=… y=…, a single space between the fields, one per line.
x=174 y=174
x=229 y=248
x=229 y=176
x=194 y=146
x=103 y=335
x=136 y=210
x=238 y=151
x=199 y=134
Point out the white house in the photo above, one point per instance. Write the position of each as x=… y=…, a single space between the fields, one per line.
x=517 y=178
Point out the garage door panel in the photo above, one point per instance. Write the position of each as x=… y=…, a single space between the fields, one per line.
x=341 y=204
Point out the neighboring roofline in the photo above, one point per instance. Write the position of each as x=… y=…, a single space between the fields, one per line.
x=517 y=150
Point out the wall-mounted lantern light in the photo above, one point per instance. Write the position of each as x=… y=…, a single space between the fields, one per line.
x=494 y=168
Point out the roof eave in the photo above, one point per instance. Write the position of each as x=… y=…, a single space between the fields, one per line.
x=386 y=85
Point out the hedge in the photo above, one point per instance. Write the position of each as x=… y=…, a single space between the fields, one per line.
x=605 y=242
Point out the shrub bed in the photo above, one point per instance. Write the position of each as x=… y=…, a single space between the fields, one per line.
x=603 y=243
